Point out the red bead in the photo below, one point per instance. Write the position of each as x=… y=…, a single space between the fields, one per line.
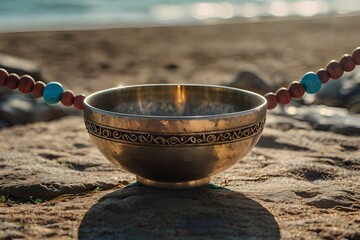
x=38 y=89
x=79 y=102
x=356 y=55
x=12 y=81
x=347 y=63
x=323 y=75
x=296 y=90
x=283 y=96
x=67 y=98
x=334 y=69
x=26 y=84
x=3 y=76
x=271 y=100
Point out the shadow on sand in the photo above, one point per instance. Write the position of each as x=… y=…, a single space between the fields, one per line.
x=139 y=212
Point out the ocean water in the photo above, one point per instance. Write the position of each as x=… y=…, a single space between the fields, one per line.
x=30 y=15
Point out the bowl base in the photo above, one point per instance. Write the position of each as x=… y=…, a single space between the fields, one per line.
x=174 y=185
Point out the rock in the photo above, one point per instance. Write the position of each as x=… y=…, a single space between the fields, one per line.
x=41 y=168
x=4 y=124
x=320 y=117
x=338 y=198
x=206 y=213
x=17 y=108
x=252 y=80
x=20 y=66
x=10 y=231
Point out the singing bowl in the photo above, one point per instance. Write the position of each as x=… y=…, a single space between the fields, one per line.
x=174 y=136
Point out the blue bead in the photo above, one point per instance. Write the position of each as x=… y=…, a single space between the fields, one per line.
x=52 y=93
x=311 y=82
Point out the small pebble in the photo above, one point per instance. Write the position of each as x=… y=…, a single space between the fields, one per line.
x=79 y=102
x=26 y=84
x=334 y=69
x=38 y=89
x=67 y=98
x=3 y=76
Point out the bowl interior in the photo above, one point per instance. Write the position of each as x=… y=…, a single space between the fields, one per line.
x=174 y=100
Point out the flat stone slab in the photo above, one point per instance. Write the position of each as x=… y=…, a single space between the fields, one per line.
x=297 y=183
x=47 y=160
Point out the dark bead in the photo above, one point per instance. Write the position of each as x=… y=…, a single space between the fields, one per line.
x=3 y=76
x=12 y=81
x=296 y=90
x=67 y=98
x=283 y=96
x=26 y=84
x=38 y=89
x=356 y=55
x=334 y=69
x=347 y=63
x=271 y=100
x=79 y=102
x=323 y=75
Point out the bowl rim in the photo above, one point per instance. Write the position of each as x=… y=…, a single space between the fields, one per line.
x=213 y=116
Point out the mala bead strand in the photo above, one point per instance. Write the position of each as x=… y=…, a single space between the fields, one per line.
x=3 y=76
x=311 y=82
x=52 y=92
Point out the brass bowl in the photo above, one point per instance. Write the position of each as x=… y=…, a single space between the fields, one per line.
x=174 y=136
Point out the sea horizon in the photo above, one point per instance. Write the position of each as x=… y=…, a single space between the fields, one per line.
x=42 y=15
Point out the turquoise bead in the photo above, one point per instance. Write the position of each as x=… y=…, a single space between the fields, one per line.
x=311 y=82
x=52 y=93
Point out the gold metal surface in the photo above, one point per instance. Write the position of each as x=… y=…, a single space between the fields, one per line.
x=174 y=136
x=174 y=185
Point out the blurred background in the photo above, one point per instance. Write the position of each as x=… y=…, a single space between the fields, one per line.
x=30 y=15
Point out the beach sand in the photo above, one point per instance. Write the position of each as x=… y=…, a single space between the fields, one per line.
x=87 y=61
x=297 y=183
